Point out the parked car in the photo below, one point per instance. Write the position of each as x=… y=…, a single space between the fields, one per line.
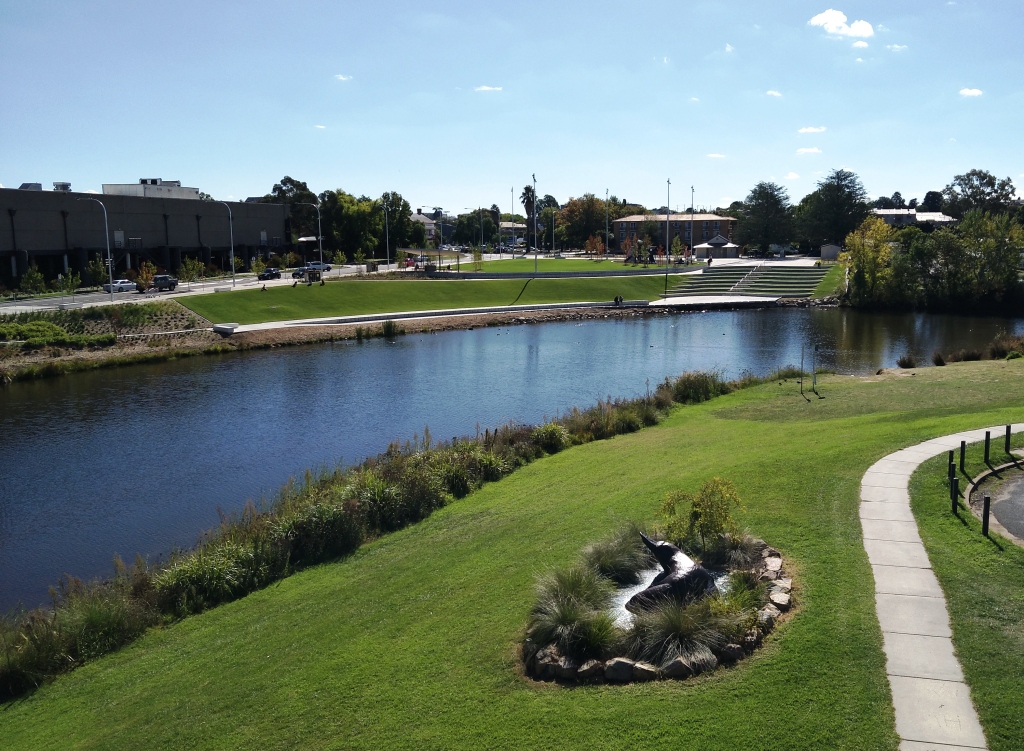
x=422 y=259
x=269 y=273
x=165 y=282
x=317 y=266
x=120 y=285
x=299 y=273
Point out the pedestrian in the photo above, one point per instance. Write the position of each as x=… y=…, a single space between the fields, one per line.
x=709 y=259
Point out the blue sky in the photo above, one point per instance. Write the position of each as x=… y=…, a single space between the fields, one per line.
x=230 y=96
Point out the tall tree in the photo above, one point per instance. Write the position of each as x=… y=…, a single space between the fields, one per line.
x=292 y=192
x=581 y=218
x=834 y=210
x=767 y=217
x=977 y=190
x=932 y=201
x=399 y=218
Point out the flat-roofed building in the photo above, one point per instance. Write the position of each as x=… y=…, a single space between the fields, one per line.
x=907 y=217
x=705 y=227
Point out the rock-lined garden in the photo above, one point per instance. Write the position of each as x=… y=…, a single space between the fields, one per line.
x=582 y=629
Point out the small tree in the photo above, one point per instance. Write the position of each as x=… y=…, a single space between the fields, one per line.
x=239 y=263
x=478 y=259
x=191 y=270
x=145 y=275
x=677 y=246
x=32 y=282
x=258 y=266
x=96 y=271
x=710 y=512
x=68 y=283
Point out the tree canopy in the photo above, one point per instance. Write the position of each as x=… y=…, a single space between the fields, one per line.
x=766 y=217
x=834 y=210
x=977 y=190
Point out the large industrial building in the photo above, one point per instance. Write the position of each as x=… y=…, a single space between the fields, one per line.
x=156 y=221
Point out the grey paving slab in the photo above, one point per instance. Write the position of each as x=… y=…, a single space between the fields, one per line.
x=907 y=614
x=929 y=711
x=883 y=480
x=887 y=529
x=885 y=495
x=893 y=511
x=888 y=553
x=895 y=466
x=917 y=656
x=901 y=580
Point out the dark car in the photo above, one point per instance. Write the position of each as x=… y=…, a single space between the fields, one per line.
x=165 y=282
x=299 y=274
x=269 y=273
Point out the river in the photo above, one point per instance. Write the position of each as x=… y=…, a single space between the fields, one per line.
x=143 y=459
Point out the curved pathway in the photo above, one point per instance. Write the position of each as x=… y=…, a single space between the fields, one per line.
x=932 y=701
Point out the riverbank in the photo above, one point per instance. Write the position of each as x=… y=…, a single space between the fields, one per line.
x=411 y=641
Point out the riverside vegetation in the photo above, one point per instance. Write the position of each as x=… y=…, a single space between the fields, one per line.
x=328 y=515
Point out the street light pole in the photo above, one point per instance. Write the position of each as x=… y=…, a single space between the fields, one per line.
x=693 y=255
x=231 y=236
x=535 y=241
x=319 y=233
x=106 y=235
x=668 y=214
x=607 y=242
x=387 y=233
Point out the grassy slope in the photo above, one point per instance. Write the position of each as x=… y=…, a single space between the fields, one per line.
x=830 y=284
x=525 y=265
x=982 y=581
x=354 y=297
x=410 y=643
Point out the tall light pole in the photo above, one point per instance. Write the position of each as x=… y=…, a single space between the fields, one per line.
x=231 y=236
x=440 y=241
x=693 y=255
x=535 y=241
x=106 y=235
x=606 y=240
x=319 y=233
x=512 y=217
x=668 y=214
x=387 y=236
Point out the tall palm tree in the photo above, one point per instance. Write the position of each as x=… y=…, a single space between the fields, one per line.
x=528 y=200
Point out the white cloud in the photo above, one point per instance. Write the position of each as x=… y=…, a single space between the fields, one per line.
x=487 y=88
x=728 y=48
x=859 y=60
x=94 y=192
x=716 y=156
x=694 y=99
x=320 y=127
x=882 y=27
x=792 y=176
x=860 y=45
x=813 y=129
x=834 y=23
x=896 y=47
x=664 y=60
x=773 y=92
x=342 y=77
x=809 y=150
x=970 y=92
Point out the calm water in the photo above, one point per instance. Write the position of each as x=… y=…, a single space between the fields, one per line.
x=140 y=460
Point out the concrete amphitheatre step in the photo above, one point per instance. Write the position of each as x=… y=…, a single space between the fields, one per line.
x=756 y=280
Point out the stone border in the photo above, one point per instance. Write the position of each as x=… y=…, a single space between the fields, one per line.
x=545 y=664
x=977 y=505
x=931 y=700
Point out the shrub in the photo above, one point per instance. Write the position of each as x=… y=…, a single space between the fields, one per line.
x=571 y=612
x=621 y=557
x=1012 y=354
x=971 y=355
x=698 y=386
x=580 y=583
x=710 y=513
x=907 y=361
x=669 y=630
x=389 y=329
x=937 y=359
x=551 y=437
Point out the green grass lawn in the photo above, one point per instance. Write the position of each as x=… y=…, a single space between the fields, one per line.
x=831 y=283
x=360 y=296
x=411 y=642
x=982 y=579
x=525 y=265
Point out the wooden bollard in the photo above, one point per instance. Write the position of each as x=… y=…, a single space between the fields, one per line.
x=954 y=493
x=988 y=442
x=984 y=516
x=963 y=455
x=1006 y=447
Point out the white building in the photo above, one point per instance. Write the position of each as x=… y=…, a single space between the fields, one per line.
x=907 y=217
x=428 y=222
x=151 y=187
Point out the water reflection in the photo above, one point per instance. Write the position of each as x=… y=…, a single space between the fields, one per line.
x=139 y=460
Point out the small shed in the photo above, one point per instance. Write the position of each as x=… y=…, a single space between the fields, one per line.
x=830 y=252
x=717 y=247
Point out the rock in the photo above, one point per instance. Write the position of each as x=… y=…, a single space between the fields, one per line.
x=752 y=639
x=770 y=553
x=783 y=585
x=758 y=545
x=644 y=671
x=780 y=600
x=590 y=669
x=730 y=653
x=767 y=616
x=619 y=669
x=679 y=668
x=703 y=661
x=566 y=669
x=545 y=665
x=773 y=564
x=770 y=575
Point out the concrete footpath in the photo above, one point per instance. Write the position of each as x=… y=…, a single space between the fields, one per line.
x=932 y=701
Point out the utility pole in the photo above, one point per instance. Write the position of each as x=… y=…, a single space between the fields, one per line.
x=607 y=241
x=693 y=256
x=668 y=214
x=535 y=241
